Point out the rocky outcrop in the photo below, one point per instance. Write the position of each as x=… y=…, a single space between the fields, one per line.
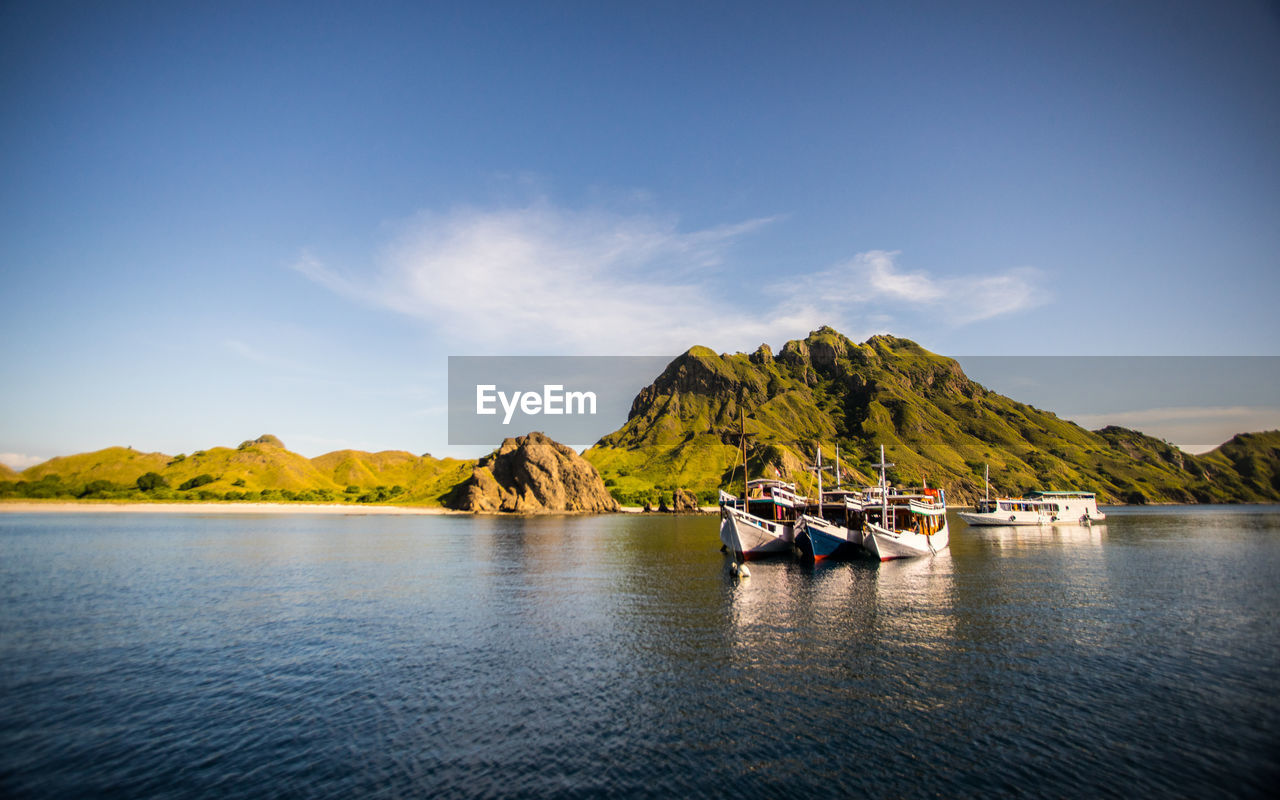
x=532 y=474
x=684 y=501
x=266 y=439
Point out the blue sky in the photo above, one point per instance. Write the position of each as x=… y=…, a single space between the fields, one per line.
x=227 y=219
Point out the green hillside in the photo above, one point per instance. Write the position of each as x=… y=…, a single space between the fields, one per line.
x=122 y=465
x=426 y=480
x=1251 y=458
x=8 y=473
x=935 y=424
x=261 y=469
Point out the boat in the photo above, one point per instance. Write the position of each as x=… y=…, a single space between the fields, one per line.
x=1035 y=508
x=762 y=521
x=903 y=524
x=1069 y=508
x=832 y=527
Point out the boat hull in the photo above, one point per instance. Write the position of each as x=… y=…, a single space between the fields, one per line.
x=887 y=544
x=1002 y=519
x=819 y=539
x=1019 y=518
x=748 y=536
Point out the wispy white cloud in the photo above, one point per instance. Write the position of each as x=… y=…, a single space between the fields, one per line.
x=20 y=461
x=874 y=278
x=1195 y=429
x=545 y=278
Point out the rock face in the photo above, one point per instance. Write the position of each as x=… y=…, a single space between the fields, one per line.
x=684 y=501
x=266 y=438
x=532 y=474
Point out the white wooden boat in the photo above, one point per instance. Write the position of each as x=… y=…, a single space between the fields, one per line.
x=903 y=524
x=1006 y=511
x=762 y=521
x=1036 y=508
x=748 y=536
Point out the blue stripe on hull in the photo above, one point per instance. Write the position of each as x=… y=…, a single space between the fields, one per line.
x=818 y=545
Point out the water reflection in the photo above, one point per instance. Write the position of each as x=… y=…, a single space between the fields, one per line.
x=1032 y=536
x=569 y=655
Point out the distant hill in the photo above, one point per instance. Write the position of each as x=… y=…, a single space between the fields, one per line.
x=259 y=469
x=1253 y=459
x=7 y=473
x=426 y=480
x=936 y=425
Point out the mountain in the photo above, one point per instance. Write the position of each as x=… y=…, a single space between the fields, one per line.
x=935 y=423
x=1253 y=458
x=683 y=433
x=258 y=469
x=8 y=473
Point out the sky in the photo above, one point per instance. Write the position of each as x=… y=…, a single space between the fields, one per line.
x=219 y=220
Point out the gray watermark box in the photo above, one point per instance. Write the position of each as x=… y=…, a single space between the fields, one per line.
x=573 y=399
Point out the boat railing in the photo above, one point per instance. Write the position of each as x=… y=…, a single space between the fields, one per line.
x=774 y=528
x=786 y=498
x=729 y=500
x=932 y=509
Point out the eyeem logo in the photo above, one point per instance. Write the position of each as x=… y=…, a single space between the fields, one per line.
x=494 y=397
x=552 y=400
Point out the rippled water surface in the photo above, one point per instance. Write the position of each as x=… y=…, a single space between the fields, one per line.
x=320 y=656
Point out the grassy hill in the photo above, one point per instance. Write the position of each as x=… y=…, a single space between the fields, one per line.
x=425 y=479
x=936 y=425
x=261 y=469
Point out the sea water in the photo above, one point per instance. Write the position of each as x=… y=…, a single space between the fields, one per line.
x=374 y=656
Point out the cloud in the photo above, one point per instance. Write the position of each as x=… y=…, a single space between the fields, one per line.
x=20 y=461
x=1196 y=429
x=547 y=279
x=874 y=278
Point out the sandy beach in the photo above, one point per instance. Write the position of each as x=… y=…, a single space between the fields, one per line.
x=214 y=508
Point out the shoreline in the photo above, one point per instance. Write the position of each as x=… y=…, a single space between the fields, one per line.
x=64 y=507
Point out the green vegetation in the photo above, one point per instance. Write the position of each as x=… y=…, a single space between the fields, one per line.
x=151 y=481
x=935 y=423
x=199 y=480
x=258 y=470
x=683 y=432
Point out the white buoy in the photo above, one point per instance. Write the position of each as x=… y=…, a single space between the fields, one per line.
x=744 y=572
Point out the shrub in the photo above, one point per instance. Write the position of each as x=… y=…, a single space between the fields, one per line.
x=151 y=481
x=238 y=482
x=98 y=488
x=197 y=481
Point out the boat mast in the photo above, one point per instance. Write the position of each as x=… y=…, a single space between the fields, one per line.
x=837 y=466
x=884 y=491
x=819 y=480
x=986 y=482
